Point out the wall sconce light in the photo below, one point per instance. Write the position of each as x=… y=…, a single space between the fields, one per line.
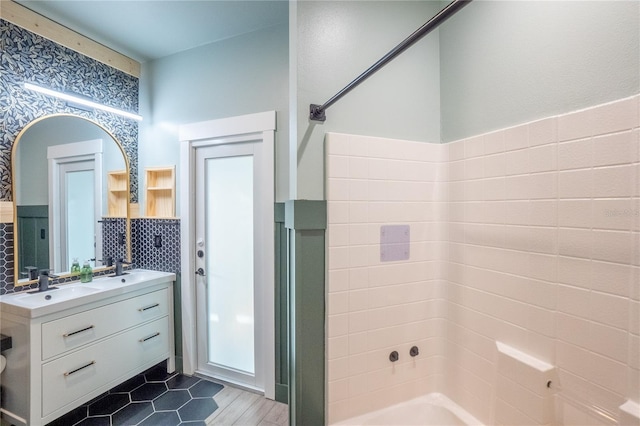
x=81 y=101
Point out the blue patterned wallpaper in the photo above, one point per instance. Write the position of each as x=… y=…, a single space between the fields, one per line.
x=28 y=57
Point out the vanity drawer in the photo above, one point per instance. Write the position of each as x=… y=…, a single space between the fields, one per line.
x=71 y=332
x=73 y=376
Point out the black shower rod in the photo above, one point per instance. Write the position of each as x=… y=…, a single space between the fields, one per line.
x=317 y=112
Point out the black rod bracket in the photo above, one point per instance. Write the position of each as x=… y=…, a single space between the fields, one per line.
x=316 y=113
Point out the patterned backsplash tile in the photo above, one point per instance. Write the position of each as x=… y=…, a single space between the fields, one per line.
x=145 y=254
x=114 y=233
x=6 y=257
x=156 y=244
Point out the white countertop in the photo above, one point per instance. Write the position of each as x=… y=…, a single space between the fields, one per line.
x=31 y=304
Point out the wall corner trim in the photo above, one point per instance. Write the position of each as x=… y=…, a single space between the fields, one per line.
x=305 y=214
x=306 y=221
x=278 y=212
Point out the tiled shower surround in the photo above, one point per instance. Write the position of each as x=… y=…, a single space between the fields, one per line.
x=377 y=307
x=528 y=235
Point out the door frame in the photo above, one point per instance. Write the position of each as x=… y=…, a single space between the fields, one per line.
x=261 y=126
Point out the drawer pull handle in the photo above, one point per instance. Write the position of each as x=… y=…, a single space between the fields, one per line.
x=68 y=373
x=149 y=338
x=155 y=305
x=78 y=331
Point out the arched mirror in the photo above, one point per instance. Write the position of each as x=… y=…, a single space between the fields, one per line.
x=71 y=196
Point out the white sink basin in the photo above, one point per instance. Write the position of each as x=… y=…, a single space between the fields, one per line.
x=36 y=304
x=57 y=294
x=131 y=277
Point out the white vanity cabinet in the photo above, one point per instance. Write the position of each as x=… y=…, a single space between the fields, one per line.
x=63 y=359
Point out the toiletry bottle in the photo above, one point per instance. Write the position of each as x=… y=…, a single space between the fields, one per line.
x=86 y=273
x=75 y=267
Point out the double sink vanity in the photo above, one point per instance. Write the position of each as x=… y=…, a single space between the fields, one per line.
x=73 y=343
x=77 y=341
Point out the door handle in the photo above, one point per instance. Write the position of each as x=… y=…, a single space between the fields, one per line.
x=200 y=272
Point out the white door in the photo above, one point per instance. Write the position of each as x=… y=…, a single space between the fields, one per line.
x=75 y=203
x=78 y=226
x=231 y=253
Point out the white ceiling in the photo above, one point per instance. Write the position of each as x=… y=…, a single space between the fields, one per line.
x=146 y=30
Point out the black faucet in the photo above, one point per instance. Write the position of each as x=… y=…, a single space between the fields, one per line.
x=31 y=274
x=119 y=264
x=43 y=280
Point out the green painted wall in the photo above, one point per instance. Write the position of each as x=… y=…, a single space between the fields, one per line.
x=334 y=42
x=33 y=226
x=508 y=62
x=242 y=75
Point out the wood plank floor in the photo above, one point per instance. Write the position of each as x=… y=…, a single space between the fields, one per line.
x=239 y=407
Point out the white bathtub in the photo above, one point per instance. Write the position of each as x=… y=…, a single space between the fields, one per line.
x=433 y=409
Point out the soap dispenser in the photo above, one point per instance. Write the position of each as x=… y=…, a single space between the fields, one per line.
x=86 y=273
x=75 y=267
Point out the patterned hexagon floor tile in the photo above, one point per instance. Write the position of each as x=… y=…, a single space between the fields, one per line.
x=150 y=398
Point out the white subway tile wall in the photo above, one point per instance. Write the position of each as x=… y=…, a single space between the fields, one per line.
x=529 y=235
x=377 y=307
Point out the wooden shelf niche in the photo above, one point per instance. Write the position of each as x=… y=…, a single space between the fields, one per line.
x=160 y=191
x=118 y=193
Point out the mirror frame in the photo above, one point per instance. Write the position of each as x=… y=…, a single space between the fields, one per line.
x=17 y=282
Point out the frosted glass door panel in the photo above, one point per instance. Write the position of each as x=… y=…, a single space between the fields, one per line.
x=80 y=223
x=229 y=263
x=232 y=258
